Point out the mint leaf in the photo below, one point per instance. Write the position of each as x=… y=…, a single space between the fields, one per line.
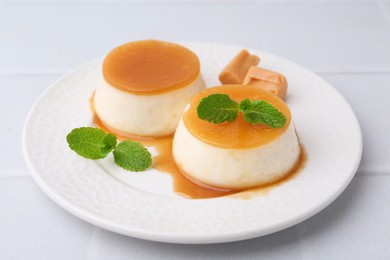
x=91 y=143
x=262 y=112
x=217 y=108
x=132 y=156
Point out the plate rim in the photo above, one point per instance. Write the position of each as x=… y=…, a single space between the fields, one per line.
x=179 y=238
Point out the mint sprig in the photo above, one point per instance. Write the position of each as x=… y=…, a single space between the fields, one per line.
x=132 y=156
x=219 y=108
x=93 y=143
x=262 y=112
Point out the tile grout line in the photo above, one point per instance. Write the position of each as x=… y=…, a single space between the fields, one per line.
x=358 y=173
x=270 y=2
x=92 y=250
x=28 y=72
x=13 y=176
x=178 y=2
x=352 y=72
x=314 y=2
x=372 y=173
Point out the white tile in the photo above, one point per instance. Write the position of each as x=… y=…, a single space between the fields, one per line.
x=276 y=246
x=385 y=8
x=328 y=36
x=324 y=36
x=18 y=94
x=129 y=1
x=369 y=96
x=62 y=36
x=36 y=36
x=355 y=226
x=223 y=23
x=352 y=227
x=189 y=1
x=33 y=227
x=317 y=1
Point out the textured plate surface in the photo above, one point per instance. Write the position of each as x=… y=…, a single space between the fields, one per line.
x=144 y=206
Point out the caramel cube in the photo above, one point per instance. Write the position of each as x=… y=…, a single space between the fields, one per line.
x=235 y=71
x=267 y=80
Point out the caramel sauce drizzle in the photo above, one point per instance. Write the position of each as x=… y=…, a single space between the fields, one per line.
x=183 y=184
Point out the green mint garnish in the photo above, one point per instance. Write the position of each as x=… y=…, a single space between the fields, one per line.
x=91 y=143
x=132 y=156
x=262 y=112
x=217 y=108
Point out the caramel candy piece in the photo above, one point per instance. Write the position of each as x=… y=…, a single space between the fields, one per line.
x=235 y=71
x=267 y=80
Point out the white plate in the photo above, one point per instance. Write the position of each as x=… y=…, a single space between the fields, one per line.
x=143 y=205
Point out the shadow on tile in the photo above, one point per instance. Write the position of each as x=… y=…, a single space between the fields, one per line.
x=286 y=242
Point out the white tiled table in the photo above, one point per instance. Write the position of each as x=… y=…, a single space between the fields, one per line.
x=346 y=42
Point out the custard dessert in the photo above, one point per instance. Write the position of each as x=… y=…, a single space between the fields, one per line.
x=235 y=155
x=145 y=87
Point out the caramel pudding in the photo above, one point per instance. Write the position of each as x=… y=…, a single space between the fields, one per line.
x=146 y=86
x=235 y=155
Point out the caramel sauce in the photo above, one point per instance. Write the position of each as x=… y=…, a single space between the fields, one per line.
x=239 y=133
x=164 y=162
x=150 y=67
x=183 y=184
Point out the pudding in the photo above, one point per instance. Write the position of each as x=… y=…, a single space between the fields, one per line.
x=145 y=87
x=235 y=155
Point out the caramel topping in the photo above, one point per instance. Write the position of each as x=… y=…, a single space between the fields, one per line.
x=237 y=134
x=236 y=70
x=267 y=80
x=183 y=184
x=150 y=67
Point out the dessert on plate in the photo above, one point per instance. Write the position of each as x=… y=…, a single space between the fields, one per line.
x=145 y=87
x=235 y=155
x=153 y=89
